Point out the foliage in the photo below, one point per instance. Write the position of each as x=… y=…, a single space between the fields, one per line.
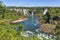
x=47 y=17
x=57 y=31
x=2 y=10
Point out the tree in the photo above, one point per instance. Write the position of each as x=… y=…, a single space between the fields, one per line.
x=57 y=31
x=47 y=17
x=2 y=9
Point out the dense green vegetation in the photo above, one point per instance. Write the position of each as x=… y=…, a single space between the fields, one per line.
x=6 y=13
x=57 y=31
x=9 y=32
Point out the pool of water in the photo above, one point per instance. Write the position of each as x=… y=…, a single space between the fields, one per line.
x=30 y=24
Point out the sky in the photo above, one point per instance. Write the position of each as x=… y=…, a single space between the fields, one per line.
x=32 y=3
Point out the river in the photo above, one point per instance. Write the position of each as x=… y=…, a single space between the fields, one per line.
x=30 y=24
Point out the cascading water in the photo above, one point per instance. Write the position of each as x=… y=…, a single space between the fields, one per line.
x=45 y=11
x=32 y=17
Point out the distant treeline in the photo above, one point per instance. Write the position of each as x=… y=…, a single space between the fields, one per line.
x=31 y=7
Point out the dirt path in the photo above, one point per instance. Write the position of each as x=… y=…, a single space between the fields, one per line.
x=19 y=20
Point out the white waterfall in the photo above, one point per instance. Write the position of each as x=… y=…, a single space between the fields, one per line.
x=32 y=14
x=32 y=17
x=45 y=11
x=25 y=11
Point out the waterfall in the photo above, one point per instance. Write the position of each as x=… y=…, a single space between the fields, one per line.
x=25 y=11
x=45 y=11
x=32 y=14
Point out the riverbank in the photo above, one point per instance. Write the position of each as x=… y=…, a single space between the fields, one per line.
x=19 y=20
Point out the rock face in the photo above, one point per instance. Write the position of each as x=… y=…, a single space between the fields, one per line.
x=49 y=28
